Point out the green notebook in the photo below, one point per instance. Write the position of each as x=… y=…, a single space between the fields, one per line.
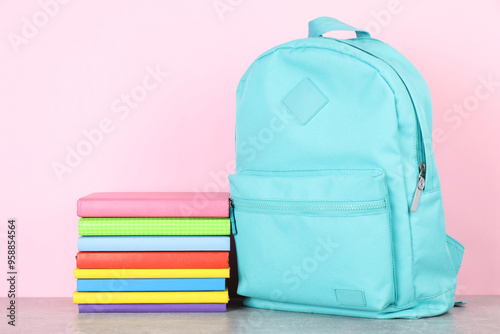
x=154 y=226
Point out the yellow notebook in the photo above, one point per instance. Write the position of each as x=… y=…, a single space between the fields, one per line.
x=161 y=297
x=152 y=273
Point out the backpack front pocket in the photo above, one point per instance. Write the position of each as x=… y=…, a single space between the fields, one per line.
x=314 y=237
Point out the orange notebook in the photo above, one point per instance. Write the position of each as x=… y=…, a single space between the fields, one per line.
x=152 y=260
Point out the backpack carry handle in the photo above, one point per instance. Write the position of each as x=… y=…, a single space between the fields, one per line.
x=324 y=24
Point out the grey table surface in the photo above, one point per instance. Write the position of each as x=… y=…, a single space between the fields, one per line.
x=60 y=315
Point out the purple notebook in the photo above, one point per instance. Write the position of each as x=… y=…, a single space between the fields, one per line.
x=146 y=308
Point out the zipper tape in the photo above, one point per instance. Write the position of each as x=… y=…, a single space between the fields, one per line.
x=305 y=206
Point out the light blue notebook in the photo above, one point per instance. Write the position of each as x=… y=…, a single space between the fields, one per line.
x=153 y=243
x=151 y=284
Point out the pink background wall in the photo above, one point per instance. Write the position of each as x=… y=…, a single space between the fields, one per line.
x=73 y=70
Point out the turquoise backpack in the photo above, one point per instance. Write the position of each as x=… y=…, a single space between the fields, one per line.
x=336 y=203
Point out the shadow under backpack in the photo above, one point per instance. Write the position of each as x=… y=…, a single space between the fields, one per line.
x=336 y=204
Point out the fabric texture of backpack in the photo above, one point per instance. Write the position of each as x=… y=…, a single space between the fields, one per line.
x=336 y=200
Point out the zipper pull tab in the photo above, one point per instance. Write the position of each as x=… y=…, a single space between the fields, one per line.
x=231 y=217
x=420 y=187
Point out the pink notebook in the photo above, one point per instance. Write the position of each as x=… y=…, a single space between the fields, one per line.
x=165 y=204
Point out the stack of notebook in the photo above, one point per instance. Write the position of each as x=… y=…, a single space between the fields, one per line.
x=153 y=252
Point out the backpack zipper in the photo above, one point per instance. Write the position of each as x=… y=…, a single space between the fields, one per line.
x=421 y=158
x=231 y=217
x=306 y=206
x=420 y=187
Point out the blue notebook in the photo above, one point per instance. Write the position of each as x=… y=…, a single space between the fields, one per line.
x=151 y=284
x=153 y=243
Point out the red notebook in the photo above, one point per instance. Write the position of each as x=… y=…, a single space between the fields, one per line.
x=165 y=204
x=152 y=260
